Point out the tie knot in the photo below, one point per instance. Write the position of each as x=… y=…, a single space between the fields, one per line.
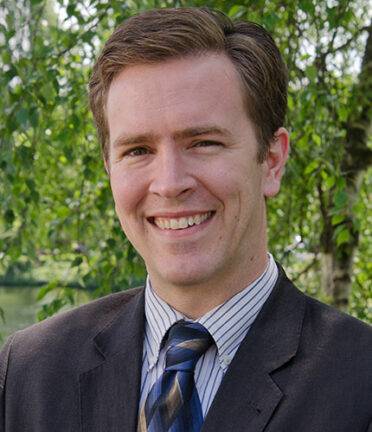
x=186 y=343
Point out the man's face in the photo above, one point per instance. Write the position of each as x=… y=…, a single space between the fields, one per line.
x=183 y=167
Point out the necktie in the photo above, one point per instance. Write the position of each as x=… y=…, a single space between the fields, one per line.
x=173 y=403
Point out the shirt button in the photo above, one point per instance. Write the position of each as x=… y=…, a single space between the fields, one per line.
x=152 y=361
x=227 y=360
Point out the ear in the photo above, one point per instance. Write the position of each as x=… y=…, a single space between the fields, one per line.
x=275 y=161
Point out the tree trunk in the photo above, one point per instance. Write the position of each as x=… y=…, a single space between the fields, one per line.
x=337 y=261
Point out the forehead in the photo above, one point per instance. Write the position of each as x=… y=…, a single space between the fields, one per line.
x=175 y=92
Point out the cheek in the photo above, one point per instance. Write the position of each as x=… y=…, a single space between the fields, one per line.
x=242 y=195
x=233 y=181
x=127 y=191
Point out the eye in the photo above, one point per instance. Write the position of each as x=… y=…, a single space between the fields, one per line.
x=137 y=151
x=207 y=143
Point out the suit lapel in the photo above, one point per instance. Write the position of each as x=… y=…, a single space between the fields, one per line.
x=109 y=392
x=248 y=394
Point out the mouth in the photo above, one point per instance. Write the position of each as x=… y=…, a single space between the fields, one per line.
x=179 y=223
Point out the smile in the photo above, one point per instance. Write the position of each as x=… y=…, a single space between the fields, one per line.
x=182 y=222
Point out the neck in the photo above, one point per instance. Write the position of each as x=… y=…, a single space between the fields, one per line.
x=196 y=300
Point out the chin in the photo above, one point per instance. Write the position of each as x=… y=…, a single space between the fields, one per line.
x=183 y=277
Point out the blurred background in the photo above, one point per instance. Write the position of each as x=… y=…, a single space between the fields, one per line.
x=60 y=243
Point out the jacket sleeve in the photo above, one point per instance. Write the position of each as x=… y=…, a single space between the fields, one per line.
x=4 y=360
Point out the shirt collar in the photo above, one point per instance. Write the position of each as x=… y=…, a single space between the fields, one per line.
x=228 y=323
x=159 y=319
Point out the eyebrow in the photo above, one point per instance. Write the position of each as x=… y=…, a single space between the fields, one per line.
x=128 y=140
x=201 y=130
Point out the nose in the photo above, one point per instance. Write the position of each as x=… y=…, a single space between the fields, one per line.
x=171 y=177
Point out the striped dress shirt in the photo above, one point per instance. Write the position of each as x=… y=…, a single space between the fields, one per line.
x=228 y=324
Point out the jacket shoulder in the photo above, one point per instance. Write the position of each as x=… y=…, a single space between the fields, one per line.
x=335 y=321
x=89 y=317
x=67 y=331
x=322 y=320
x=337 y=338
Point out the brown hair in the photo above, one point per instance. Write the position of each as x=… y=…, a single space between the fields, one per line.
x=157 y=35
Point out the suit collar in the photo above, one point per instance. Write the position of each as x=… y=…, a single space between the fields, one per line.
x=276 y=334
x=109 y=392
x=248 y=394
x=126 y=328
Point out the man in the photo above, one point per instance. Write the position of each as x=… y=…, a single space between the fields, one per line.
x=190 y=109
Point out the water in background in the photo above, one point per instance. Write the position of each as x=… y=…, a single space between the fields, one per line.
x=20 y=308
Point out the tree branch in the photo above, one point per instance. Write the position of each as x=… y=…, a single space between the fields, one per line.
x=306 y=269
x=333 y=50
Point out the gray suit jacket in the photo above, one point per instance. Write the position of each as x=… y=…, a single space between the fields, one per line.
x=303 y=367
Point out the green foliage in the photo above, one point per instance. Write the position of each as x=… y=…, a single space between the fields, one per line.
x=55 y=194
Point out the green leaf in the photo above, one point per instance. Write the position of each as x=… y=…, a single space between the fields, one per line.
x=11 y=124
x=31 y=184
x=77 y=261
x=338 y=230
x=47 y=91
x=34 y=117
x=330 y=182
x=343 y=237
x=9 y=20
x=11 y=73
x=63 y=212
x=316 y=138
x=340 y=198
x=35 y=196
x=46 y=289
x=87 y=159
x=111 y=243
x=51 y=308
x=340 y=183
x=332 y=16
x=67 y=295
x=237 y=11
x=6 y=56
x=343 y=113
x=311 y=167
x=71 y=9
x=22 y=115
x=356 y=225
x=338 y=218
x=312 y=73
x=307 y=6
x=9 y=216
x=107 y=269
x=76 y=121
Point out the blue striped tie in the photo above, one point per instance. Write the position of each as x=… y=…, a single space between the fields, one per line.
x=173 y=403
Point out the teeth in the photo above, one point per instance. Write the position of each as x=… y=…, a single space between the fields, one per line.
x=181 y=223
x=160 y=224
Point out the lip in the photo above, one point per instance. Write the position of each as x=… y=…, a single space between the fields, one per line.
x=177 y=215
